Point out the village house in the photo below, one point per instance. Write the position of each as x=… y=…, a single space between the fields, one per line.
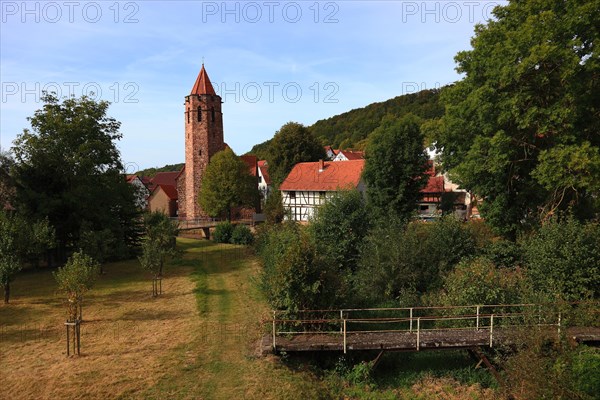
x=348 y=155
x=163 y=193
x=141 y=191
x=310 y=184
x=264 y=180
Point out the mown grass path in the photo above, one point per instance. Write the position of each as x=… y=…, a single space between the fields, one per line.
x=221 y=361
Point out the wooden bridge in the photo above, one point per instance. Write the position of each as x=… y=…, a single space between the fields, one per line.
x=425 y=328
x=206 y=224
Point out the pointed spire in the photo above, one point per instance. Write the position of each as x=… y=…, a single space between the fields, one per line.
x=203 y=85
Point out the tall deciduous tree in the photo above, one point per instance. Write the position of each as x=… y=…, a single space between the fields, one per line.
x=68 y=169
x=293 y=143
x=395 y=168
x=226 y=184
x=522 y=128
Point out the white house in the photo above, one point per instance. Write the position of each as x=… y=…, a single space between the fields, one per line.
x=349 y=155
x=141 y=191
x=264 y=180
x=310 y=184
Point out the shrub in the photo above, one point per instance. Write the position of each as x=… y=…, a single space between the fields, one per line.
x=478 y=281
x=294 y=275
x=242 y=235
x=504 y=253
x=223 y=232
x=563 y=260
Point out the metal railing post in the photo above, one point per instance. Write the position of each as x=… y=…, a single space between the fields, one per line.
x=418 y=332
x=411 y=318
x=274 y=333
x=492 y=330
x=342 y=319
x=345 y=343
x=477 y=317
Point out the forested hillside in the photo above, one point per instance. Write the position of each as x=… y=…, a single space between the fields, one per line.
x=150 y=172
x=350 y=129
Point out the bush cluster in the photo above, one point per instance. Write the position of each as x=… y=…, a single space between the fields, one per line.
x=226 y=232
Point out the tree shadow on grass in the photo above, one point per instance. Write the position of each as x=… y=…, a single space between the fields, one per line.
x=152 y=315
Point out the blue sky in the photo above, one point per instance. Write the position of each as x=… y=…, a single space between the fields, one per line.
x=271 y=61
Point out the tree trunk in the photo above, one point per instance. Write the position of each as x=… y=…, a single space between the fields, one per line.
x=6 y=292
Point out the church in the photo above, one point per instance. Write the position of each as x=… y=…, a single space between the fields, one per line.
x=203 y=121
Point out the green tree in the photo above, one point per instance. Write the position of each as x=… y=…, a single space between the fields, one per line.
x=9 y=263
x=97 y=244
x=292 y=144
x=22 y=241
x=227 y=184
x=395 y=168
x=7 y=184
x=339 y=228
x=294 y=276
x=521 y=129
x=74 y=279
x=562 y=260
x=68 y=169
x=159 y=244
x=274 y=211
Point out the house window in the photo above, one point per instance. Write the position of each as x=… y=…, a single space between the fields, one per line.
x=259 y=179
x=321 y=195
x=292 y=195
x=424 y=208
x=199 y=114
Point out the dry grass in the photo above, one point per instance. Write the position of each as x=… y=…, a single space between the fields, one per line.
x=125 y=335
x=195 y=341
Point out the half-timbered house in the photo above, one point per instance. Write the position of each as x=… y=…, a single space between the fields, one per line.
x=310 y=184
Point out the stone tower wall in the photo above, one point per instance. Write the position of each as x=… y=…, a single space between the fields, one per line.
x=203 y=138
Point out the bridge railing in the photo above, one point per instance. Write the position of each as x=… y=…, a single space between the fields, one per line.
x=418 y=320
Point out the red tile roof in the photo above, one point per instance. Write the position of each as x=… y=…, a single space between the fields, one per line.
x=251 y=162
x=165 y=178
x=170 y=190
x=203 y=85
x=435 y=184
x=264 y=170
x=353 y=155
x=335 y=175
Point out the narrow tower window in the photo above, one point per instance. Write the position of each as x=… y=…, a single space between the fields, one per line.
x=199 y=114
x=212 y=114
x=188 y=115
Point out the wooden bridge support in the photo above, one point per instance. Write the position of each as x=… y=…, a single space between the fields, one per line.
x=478 y=354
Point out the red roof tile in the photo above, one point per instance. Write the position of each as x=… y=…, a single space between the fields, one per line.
x=435 y=184
x=335 y=175
x=264 y=170
x=165 y=178
x=252 y=163
x=353 y=155
x=170 y=190
x=203 y=85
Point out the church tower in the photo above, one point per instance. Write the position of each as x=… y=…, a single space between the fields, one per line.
x=203 y=121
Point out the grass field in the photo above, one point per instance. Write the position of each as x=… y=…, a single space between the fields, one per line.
x=196 y=341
